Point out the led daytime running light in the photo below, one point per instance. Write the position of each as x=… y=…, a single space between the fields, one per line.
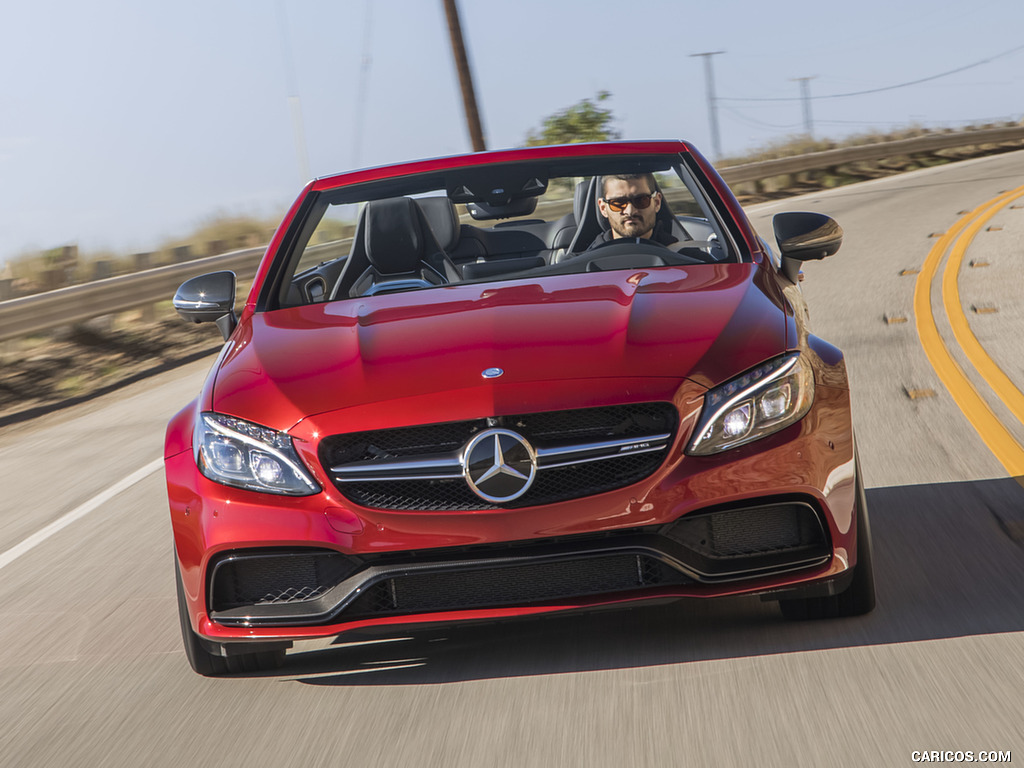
x=273 y=444
x=754 y=405
x=749 y=391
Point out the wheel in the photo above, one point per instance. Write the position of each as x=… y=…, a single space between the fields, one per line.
x=858 y=598
x=200 y=653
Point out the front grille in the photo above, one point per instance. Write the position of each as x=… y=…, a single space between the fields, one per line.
x=588 y=479
x=543 y=430
x=553 y=485
x=274 y=577
x=394 y=443
x=517 y=584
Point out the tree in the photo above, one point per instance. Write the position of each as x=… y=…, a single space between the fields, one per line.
x=583 y=121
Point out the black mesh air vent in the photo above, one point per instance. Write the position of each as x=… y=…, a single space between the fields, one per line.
x=753 y=537
x=519 y=584
x=276 y=577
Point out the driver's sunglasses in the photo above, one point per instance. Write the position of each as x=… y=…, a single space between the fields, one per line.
x=640 y=202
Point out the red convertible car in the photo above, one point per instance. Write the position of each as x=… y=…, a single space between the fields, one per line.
x=511 y=383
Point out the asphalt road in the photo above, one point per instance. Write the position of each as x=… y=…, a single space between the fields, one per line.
x=92 y=672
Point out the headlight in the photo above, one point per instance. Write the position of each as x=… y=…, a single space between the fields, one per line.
x=754 y=405
x=239 y=453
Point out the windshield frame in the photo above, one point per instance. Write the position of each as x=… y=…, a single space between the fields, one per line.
x=277 y=289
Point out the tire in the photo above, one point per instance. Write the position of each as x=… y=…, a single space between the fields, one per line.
x=209 y=664
x=858 y=598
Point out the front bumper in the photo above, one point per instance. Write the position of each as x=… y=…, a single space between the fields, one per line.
x=309 y=587
x=793 y=494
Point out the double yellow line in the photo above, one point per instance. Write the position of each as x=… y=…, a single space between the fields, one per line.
x=995 y=435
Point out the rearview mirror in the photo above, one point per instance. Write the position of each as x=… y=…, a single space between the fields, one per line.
x=521 y=207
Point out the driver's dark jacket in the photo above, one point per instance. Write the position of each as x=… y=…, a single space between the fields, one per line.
x=660 y=235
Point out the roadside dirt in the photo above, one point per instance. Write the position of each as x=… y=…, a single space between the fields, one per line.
x=41 y=375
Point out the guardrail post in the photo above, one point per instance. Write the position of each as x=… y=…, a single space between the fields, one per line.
x=53 y=279
x=182 y=253
x=102 y=269
x=143 y=261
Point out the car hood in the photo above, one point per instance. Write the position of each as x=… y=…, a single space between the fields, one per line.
x=706 y=323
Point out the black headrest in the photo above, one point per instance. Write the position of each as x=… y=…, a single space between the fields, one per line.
x=589 y=220
x=442 y=220
x=597 y=195
x=579 y=198
x=394 y=236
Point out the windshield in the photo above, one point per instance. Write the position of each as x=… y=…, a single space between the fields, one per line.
x=499 y=222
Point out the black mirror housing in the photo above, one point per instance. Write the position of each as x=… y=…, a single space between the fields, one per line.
x=805 y=236
x=208 y=298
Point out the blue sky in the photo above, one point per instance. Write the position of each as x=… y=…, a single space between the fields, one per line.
x=125 y=123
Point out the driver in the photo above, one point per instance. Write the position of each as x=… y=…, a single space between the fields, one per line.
x=631 y=203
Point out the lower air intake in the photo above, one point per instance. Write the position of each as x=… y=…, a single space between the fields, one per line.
x=752 y=538
x=519 y=584
x=268 y=578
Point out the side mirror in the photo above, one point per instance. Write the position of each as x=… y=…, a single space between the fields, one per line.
x=805 y=237
x=209 y=298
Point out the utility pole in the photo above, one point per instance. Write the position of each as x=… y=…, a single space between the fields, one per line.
x=476 y=133
x=709 y=79
x=364 y=79
x=805 y=96
x=298 y=130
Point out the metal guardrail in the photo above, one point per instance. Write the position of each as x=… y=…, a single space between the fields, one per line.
x=66 y=306
x=831 y=158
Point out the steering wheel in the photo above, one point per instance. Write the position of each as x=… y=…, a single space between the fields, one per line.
x=649 y=254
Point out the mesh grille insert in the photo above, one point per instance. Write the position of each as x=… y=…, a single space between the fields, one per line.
x=765 y=533
x=276 y=577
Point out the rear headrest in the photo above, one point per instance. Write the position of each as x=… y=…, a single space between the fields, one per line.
x=589 y=221
x=579 y=198
x=598 y=192
x=442 y=220
x=394 y=237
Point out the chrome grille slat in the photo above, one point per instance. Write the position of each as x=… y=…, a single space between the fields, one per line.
x=426 y=468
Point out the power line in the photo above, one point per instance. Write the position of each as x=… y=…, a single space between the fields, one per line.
x=887 y=87
x=747 y=120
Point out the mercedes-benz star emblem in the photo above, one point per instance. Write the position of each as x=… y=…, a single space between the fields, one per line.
x=499 y=465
